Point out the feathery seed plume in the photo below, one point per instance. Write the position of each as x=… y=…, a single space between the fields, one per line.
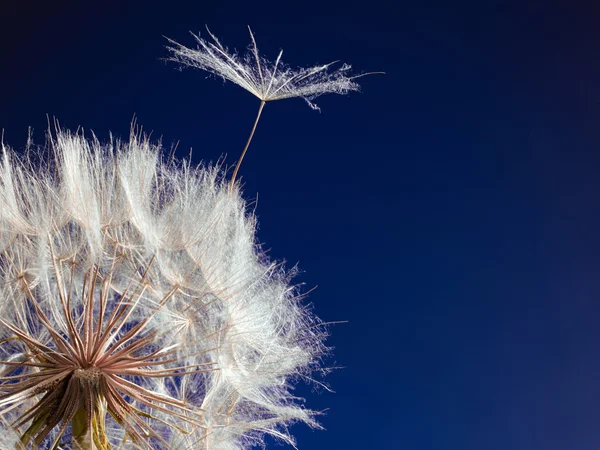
x=266 y=80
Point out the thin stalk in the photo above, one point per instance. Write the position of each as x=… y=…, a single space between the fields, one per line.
x=237 y=167
x=81 y=434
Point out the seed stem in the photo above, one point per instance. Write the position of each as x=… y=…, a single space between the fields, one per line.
x=237 y=167
x=81 y=434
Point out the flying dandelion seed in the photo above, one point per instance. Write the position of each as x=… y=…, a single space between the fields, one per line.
x=264 y=79
x=137 y=311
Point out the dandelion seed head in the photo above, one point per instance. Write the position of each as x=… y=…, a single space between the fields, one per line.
x=137 y=309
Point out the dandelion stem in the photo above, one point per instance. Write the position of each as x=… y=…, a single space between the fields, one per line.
x=237 y=167
x=82 y=436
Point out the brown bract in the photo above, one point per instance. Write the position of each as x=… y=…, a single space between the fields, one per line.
x=86 y=370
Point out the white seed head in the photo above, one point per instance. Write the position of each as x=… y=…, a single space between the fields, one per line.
x=209 y=334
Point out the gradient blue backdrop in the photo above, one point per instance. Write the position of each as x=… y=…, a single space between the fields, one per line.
x=450 y=211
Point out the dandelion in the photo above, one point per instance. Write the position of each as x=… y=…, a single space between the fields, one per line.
x=266 y=80
x=136 y=309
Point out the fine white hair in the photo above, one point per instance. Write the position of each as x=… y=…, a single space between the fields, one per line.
x=268 y=81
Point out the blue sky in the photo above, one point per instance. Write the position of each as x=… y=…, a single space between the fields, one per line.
x=449 y=212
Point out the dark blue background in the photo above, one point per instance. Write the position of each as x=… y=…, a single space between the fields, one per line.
x=450 y=212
